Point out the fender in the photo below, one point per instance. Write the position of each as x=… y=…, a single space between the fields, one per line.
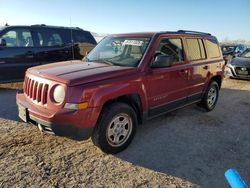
x=217 y=71
x=108 y=92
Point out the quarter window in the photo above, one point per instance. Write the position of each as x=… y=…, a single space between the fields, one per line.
x=213 y=48
x=83 y=37
x=172 y=48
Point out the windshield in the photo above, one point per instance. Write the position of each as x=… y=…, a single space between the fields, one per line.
x=122 y=51
x=246 y=54
x=228 y=48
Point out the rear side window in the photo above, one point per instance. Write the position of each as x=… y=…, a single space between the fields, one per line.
x=213 y=48
x=50 y=37
x=196 y=49
x=83 y=37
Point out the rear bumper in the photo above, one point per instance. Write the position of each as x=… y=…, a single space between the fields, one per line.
x=77 y=124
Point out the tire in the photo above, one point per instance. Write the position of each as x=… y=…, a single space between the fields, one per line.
x=115 y=128
x=210 y=97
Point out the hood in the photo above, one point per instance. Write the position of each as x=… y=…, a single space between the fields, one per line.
x=241 y=61
x=78 y=72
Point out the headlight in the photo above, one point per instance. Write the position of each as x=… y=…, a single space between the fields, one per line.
x=59 y=94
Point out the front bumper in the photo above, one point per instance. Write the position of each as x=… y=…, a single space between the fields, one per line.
x=77 y=124
x=230 y=72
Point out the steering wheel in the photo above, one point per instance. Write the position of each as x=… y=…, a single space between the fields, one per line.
x=158 y=53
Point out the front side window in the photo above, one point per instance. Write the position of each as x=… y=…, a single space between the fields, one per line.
x=171 y=48
x=122 y=51
x=18 y=38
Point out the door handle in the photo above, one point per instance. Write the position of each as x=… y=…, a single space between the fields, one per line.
x=206 y=67
x=29 y=54
x=184 y=71
x=64 y=51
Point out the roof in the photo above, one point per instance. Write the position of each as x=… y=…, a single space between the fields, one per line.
x=179 y=32
x=42 y=25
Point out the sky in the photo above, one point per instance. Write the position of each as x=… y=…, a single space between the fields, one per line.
x=226 y=19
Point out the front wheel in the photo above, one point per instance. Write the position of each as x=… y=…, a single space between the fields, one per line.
x=210 y=98
x=115 y=128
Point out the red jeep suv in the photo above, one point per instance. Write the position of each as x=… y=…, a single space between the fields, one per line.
x=124 y=80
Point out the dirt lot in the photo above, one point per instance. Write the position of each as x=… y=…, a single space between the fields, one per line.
x=185 y=148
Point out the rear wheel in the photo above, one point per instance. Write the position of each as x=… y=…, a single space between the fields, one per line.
x=210 y=98
x=115 y=128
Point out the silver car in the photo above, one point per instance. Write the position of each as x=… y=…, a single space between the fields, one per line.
x=239 y=67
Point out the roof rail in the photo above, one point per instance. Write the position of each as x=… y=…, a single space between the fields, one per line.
x=38 y=25
x=192 y=32
x=78 y=28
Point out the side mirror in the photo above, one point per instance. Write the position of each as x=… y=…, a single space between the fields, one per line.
x=2 y=42
x=162 y=61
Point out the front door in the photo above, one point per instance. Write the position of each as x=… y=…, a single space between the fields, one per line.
x=17 y=55
x=167 y=86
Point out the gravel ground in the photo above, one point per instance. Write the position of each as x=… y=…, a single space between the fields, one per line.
x=185 y=148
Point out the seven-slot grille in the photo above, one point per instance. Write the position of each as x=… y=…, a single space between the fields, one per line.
x=36 y=91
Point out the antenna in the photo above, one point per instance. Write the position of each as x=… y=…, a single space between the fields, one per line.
x=72 y=41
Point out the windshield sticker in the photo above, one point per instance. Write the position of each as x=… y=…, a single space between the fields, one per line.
x=133 y=42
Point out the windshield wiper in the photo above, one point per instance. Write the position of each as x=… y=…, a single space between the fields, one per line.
x=107 y=62
x=104 y=61
x=85 y=59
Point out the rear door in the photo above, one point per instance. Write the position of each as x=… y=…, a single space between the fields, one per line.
x=52 y=45
x=167 y=86
x=18 y=53
x=198 y=70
